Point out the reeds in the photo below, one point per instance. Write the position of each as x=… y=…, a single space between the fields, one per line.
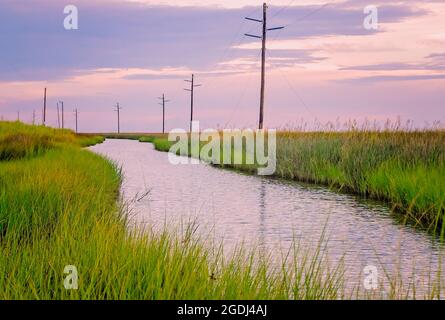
x=396 y=164
x=404 y=168
x=60 y=208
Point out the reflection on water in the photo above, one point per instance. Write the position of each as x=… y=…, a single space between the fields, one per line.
x=236 y=208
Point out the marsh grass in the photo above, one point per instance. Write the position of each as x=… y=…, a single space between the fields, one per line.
x=164 y=145
x=400 y=166
x=21 y=141
x=60 y=207
x=148 y=139
x=403 y=168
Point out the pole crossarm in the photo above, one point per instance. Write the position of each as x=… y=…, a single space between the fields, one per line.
x=253 y=19
x=253 y=36
x=276 y=28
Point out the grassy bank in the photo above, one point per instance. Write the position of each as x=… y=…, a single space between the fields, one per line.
x=59 y=207
x=405 y=169
x=21 y=141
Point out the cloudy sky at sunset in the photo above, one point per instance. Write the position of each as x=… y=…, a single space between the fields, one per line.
x=324 y=65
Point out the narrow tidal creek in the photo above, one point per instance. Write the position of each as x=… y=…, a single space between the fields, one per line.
x=270 y=215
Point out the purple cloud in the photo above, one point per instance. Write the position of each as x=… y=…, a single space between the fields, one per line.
x=131 y=35
x=376 y=79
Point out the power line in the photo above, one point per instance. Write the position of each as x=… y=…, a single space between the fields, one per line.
x=283 y=75
x=278 y=69
x=241 y=96
x=283 y=8
x=234 y=43
x=304 y=16
x=312 y=12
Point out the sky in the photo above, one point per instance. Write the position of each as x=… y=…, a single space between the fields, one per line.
x=324 y=66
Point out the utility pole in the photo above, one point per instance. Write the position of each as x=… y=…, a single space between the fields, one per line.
x=34 y=117
x=58 y=115
x=18 y=115
x=263 y=59
x=263 y=66
x=163 y=111
x=77 y=116
x=44 y=108
x=192 y=90
x=63 y=115
x=118 y=109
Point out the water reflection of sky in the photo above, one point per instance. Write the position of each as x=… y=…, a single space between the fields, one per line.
x=269 y=214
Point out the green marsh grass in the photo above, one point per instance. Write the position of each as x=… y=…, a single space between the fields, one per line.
x=405 y=168
x=148 y=139
x=162 y=144
x=60 y=207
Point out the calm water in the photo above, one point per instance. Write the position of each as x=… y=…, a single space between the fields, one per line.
x=268 y=214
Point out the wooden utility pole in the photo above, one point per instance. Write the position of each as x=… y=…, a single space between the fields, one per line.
x=44 y=108
x=77 y=116
x=163 y=111
x=63 y=115
x=58 y=115
x=263 y=59
x=118 y=109
x=18 y=115
x=192 y=90
x=263 y=66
